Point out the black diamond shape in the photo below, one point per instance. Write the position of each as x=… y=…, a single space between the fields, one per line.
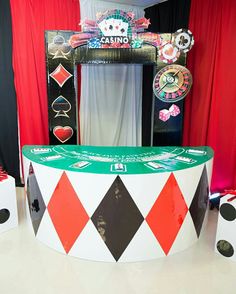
x=199 y=203
x=117 y=218
x=35 y=200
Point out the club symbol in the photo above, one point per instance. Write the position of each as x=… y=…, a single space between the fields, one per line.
x=59 y=48
x=35 y=205
x=61 y=106
x=183 y=41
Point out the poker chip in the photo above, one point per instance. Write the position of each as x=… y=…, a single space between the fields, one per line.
x=94 y=43
x=137 y=43
x=183 y=40
x=168 y=53
x=172 y=83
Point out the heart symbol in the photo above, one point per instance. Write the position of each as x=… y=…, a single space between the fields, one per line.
x=63 y=134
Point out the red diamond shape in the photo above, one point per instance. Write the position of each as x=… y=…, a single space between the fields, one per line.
x=167 y=214
x=60 y=75
x=67 y=213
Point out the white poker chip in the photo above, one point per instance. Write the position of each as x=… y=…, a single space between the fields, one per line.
x=168 y=53
x=183 y=40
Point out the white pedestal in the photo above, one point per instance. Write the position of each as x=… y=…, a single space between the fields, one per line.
x=8 y=206
x=226 y=229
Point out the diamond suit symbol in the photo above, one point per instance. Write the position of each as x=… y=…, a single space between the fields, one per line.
x=60 y=75
x=167 y=214
x=199 y=203
x=67 y=213
x=117 y=218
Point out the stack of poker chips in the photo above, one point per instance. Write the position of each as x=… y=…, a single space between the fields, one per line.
x=3 y=174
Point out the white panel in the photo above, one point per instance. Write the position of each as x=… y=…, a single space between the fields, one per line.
x=26 y=165
x=188 y=180
x=209 y=166
x=90 y=245
x=186 y=237
x=205 y=221
x=226 y=230
x=144 y=246
x=90 y=188
x=145 y=189
x=28 y=218
x=48 y=235
x=8 y=201
x=47 y=178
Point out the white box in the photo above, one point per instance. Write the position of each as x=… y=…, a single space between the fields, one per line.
x=226 y=228
x=8 y=205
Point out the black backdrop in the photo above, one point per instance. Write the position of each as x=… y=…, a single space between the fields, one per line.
x=166 y=17
x=9 y=152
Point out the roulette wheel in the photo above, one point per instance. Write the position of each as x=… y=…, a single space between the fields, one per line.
x=172 y=83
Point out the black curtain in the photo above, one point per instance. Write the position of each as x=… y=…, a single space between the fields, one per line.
x=9 y=151
x=166 y=17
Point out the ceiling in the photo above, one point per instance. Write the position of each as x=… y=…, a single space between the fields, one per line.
x=143 y=3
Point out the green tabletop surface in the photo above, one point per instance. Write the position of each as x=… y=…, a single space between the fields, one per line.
x=118 y=160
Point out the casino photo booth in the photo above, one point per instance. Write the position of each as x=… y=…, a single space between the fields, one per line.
x=130 y=203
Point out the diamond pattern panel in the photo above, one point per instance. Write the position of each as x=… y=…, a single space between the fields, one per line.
x=90 y=188
x=143 y=246
x=167 y=214
x=60 y=75
x=199 y=204
x=145 y=187
x=117 y=218
x=43 y=173
x=186 y=236
x=67 y=213
x=90 y=245
x=48 y=235
x=188 y=181
x=35 y=200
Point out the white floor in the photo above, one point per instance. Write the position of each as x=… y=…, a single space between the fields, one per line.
x=27 y=266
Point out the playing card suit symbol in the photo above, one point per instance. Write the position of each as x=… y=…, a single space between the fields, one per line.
x=61 y=106
x=183 y=41
x=59 y=48
x=63 y=134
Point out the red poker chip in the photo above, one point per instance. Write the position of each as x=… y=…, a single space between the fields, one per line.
x=168 y=53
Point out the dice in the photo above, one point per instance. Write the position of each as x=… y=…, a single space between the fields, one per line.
x=8 y=206
x=174 y=110
x=165 y=114
x=226 y=228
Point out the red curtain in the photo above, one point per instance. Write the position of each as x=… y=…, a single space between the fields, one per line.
x=210 y=116
x=30 y=18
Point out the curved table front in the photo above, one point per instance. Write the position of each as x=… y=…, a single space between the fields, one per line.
x=117 y=204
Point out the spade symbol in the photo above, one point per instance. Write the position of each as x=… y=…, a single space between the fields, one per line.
x=61 y=106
